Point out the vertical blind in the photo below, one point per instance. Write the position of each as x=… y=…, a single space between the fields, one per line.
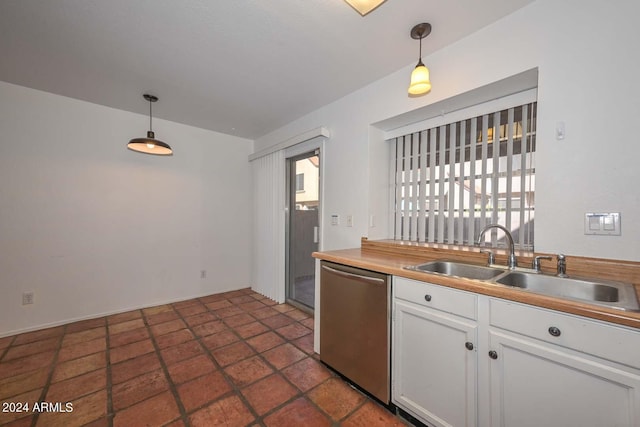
x=268 y=272
x=454 y=179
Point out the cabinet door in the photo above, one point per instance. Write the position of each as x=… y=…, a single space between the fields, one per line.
x=538 y=384
x=434 y=373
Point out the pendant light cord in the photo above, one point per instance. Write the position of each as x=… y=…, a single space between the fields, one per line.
x=150 y=115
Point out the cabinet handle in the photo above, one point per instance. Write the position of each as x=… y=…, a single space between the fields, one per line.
x=427 y=297
x=493 y=354
x=469 y=345
x=554 y=331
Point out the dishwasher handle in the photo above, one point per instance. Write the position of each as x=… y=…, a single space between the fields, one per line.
x=353 y=276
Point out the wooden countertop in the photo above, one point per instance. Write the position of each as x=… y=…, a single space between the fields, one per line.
x=390 y=258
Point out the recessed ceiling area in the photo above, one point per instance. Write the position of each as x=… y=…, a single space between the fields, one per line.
x=240 y=67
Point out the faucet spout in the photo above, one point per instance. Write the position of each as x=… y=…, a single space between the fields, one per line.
x=512 y=262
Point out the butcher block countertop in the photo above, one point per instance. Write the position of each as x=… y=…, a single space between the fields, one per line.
x=390 y=256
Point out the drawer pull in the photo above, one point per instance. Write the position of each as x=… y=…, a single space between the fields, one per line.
x=427 y=297
x=469 y=345
x=554 y=331
x=493 y=354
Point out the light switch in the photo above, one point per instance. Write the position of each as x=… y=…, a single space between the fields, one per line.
x=608 y=223
x=605 y=223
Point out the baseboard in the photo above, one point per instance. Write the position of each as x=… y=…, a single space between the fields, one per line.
x=108 y=313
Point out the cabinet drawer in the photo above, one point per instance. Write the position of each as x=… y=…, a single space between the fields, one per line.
x=604 y=340
x=438 y=297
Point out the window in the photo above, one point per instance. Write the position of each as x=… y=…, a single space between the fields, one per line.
x=300 y=182
x=453 y=180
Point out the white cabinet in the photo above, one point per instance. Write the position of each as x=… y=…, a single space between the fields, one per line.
x=434 y=356
x=529 y=366
x=538 y=378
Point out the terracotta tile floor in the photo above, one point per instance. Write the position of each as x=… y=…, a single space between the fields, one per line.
x=232 y=359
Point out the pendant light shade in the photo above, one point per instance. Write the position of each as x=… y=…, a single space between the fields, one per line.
x=364 y=6
x=420 y=82
x=150 y=145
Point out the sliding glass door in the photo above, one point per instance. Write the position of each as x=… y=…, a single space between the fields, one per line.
x=302 y=227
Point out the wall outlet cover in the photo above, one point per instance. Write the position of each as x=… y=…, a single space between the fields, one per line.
x=27 y=298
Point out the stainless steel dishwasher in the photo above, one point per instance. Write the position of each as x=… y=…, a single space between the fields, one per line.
x=355 y=326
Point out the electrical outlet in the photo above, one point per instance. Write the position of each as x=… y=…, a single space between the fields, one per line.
x=203 y=274
x=27 y=298
x=349 y=220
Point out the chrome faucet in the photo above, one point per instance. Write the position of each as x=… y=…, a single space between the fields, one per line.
x=535 y=265
x=512 y=262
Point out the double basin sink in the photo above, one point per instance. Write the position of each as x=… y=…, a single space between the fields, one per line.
x=621 y=296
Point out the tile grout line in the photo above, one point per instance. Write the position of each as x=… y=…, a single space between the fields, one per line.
x=6 y=350
x=110 y=413
x=172 y=387
x=235 y=390
x=52 y=368
x=299 y=393
x=186 y=420
x=183 y=313
x=260 y=418
x=303 y=394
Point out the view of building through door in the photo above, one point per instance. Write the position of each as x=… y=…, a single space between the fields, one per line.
x=302 y=227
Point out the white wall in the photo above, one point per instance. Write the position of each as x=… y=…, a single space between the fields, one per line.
x=94 y=228
x=587 y=60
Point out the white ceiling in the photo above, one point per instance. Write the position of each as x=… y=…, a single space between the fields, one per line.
x=241 y=67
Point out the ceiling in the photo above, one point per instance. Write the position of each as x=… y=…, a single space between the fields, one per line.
x=240 y=67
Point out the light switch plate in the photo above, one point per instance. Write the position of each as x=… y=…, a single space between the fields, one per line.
x=602 y=223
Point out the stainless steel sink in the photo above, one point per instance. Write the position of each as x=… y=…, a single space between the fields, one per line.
x=609 y=294
x=460 y=269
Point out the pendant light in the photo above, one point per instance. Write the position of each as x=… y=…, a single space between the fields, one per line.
x=420 y=83
x=364 y=6
x=150 y=145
